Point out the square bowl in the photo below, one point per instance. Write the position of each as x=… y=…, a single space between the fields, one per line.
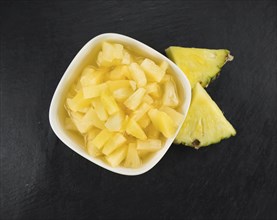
x=82 y=59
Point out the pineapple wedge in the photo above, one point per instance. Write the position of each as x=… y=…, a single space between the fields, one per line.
x=205 y=124
x=199 y=65
x=132 y=158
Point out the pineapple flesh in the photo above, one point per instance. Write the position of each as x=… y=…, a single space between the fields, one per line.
x=124 y=107
x=199 y=65
x=205 y=123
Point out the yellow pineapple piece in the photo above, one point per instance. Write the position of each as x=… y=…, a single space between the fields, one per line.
x=88 y=120
x=115 y=121
x=119 y=73
x=152 y=70
x=91 y=134
x=140 y=112
x=93 y=150
x=122 y=94
x=170 y=97
x=164 y=66
x=117 y=84
x=113 y=143
x=127 y=58
x=148 y=99
x=115 y=158
x=162 y=122
x=135 y=99
x=69 y=125
x=78 y=102
x=109 y=102
x=137 y=74
x=93 y=91
x=154 y=90
x=177 y=117
x=110 y=55
x=135 y=130
x=151 y=131
x=144 y=121
x=102 y=138
x=99 y=109
x=90 y=76
x=132 y=159
x=149 y=145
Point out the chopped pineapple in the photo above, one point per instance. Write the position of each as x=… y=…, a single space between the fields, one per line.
x=109 y=103
x=114 y=106
x=137 y=74
x=69 y=125
x=177 y=117
x=132 y=158
x=94 y=90
x=170 y=97
x=101 y=138
x=135 y=99
x=99 y=109
x=149 y=145
x=135 y=130
x=114 y=142
x=153 y=71
x=115 y=158
x=78 y=102
x=162 y=122
x=115 y=121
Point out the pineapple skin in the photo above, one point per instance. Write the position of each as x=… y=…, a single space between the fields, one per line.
x=199 y=65
x=205 y=123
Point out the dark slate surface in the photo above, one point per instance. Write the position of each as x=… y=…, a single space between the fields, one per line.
x=43 y=179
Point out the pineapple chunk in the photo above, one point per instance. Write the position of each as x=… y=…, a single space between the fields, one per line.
x=140 y=112
x=100 y=110
x=177 y=117
x=118 y=73
x=122 y=94
x=90 y=119
x=135 y=130
x=135 y=99
x=78 y=102
x=91 y=134
x=170 y=97
x=69 y=125
x=150 y=145
x=164 y=66
x=115 y=121
x=162 y=122
x=94 y=90
x=110 y=55
x=132 y=159
x=117 y=84
x=115 y=158
x=93 y=150
x=144 y=121
x=154 y=90
x=113 y=143
x=127 y=58
x=137 y=74
x=91 y=77
x=152 y=132
x=109 y=103
x=148 y=99
x=152 y=71
x=101 y=138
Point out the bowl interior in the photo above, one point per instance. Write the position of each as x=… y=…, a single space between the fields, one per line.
x=85 y=57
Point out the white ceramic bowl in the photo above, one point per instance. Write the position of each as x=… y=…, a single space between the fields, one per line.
x=83 y=58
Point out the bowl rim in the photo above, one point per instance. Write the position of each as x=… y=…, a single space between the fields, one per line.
x=54 y=105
